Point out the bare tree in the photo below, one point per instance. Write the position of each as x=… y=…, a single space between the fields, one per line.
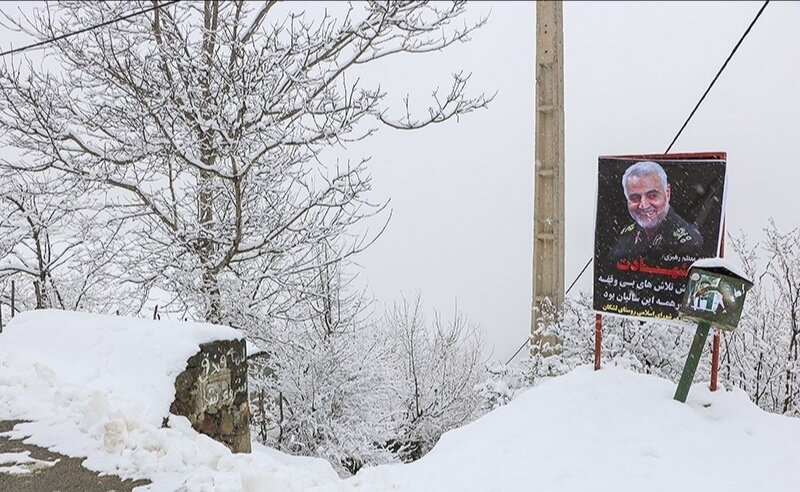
x=437 y=367
x=203 y=125
x=749 y=359
x=324 y=384
x=49 y=245
x=784 y=270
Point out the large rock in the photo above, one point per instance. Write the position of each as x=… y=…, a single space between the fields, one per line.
x=212 y=393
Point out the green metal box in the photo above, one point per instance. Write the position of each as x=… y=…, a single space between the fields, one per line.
x=715 y=293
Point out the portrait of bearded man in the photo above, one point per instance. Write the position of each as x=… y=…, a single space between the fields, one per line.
x=656 y=229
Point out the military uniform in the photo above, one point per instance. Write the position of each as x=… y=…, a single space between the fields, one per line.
x=675 y=236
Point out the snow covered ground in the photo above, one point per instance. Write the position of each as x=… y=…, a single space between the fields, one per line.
x=96 y=386
x=611 y=430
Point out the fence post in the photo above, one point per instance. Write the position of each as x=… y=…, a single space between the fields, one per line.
x=13 y=298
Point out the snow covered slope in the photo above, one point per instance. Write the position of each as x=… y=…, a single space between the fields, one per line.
x=133 y=360
x=99 y=387
x=611 y=430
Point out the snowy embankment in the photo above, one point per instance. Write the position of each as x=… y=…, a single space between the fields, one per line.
x=611 y=430
x=100 y=386
x=97 y=386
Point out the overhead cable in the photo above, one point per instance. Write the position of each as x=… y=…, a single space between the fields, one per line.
x=87 y=29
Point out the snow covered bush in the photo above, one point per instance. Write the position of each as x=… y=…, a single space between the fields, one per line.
x=498 y=389
x=59 y=250
x=761 y=357
x=322 y=389
x=434 y=368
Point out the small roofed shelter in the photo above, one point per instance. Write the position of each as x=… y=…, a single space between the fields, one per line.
x=715 y=293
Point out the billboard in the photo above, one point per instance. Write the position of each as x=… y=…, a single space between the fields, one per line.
x=656 y=215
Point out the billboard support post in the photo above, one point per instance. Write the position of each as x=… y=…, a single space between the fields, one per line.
x=715 y=360
x=598 y=339
x=717 y=335
x=690 y=367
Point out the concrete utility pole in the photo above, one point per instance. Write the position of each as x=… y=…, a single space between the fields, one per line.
x=548 y=203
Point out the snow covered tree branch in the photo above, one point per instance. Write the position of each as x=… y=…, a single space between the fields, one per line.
x=203 y=124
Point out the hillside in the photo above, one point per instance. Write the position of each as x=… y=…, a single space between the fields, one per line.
x=611 y=430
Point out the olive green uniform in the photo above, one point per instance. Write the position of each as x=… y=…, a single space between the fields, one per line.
x=675 y=236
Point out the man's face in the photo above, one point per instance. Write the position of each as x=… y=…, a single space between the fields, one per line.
x=648 y=201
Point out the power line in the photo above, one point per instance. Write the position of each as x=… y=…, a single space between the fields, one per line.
x=87 y=29
x=518 y=351
x=579 y=276
x=718 y=74
x=565 y=294
x=733 y=51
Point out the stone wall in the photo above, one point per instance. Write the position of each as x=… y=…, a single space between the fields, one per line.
x=212 y=393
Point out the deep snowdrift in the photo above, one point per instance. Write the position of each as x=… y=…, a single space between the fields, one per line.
x=611 y=430
x=92 y=386
x=99 y=386
x=131 y=360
